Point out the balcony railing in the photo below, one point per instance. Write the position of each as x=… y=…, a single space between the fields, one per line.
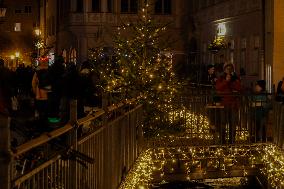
x=93 y=152
x=97 y=151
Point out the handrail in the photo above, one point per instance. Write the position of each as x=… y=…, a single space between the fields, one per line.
x=60 y=131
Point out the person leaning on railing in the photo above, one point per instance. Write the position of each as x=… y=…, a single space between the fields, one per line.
x=260 y=107
x=227 y=87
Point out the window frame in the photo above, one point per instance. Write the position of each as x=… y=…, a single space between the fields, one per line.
x=163 y=9
x=98 y=7
x=131 y=5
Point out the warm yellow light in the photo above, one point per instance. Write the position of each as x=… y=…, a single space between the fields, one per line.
x=37 y=32
x=12 y=57
x=17 y=54
x=221 y=29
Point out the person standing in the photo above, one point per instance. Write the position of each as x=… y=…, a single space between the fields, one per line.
x=209 y=77
x=227 y=87
x=260 y=109
x=6 y=90
x=280 y=91
x=41 y=87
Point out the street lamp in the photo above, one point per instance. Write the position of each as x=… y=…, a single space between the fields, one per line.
x=17 y=55
x=12 y=57
x=37 y=32
x=38 y=43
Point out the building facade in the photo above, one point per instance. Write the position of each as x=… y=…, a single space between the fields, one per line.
x=239 y=26
x=72 y=27
x=18 y=20
x=274 y=39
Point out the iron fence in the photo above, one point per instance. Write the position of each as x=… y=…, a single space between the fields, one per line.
x=93 y=152
x=208 y=118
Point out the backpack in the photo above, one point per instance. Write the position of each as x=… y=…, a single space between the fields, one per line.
x=43 y=79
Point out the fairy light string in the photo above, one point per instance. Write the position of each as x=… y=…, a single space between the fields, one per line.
x=156 y=163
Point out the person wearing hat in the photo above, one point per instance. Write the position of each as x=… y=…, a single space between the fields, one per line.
x=260 y=107
x=227 y=86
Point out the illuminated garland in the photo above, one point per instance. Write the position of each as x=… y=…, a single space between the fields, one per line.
x=140 y=176
x=162 y=161
x=273 y=159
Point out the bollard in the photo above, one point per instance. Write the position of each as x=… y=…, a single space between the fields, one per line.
x=5 y=153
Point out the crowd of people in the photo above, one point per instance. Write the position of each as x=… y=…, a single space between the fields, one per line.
x=43 y=93
x=226 y=87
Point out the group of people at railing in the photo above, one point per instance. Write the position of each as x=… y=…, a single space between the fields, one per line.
x=39 y=97
x=226 y=91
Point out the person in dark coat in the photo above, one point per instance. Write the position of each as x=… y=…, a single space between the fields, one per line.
x=6 y=89
x=71 y=90
x=280 y=91
x=209 y=78
x=260 y=108
x=56 y=73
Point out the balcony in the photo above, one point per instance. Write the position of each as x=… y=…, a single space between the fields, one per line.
x=107 y=149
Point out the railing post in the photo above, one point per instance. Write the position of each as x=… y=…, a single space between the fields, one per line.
x=72 y=141
x=5 y=153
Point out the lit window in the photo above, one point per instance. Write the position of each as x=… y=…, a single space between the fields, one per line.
x=221 y=29
x=73 y=56
x=163 y=7
x=64 y=55
x=17 y=27
x=129 y=6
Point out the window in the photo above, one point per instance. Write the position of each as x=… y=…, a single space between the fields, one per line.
x=96 y=5
x=163 y=7
x=256 y=42
x=232 y=57
x=243 y=43
x=17 y=11
x=28 y=9
x=17 y=27
x=129 y=6
x=73 y=56
x=52 y=25
x=64 y=55
x=109 y=5
x=80 y=6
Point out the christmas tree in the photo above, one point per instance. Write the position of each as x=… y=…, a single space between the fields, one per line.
x=141 y=65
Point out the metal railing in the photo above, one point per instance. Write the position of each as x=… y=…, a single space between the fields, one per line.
x=278 y=124
x=93 y=152
x=220 y=119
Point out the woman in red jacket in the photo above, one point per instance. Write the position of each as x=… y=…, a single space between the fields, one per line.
x=227 y=86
